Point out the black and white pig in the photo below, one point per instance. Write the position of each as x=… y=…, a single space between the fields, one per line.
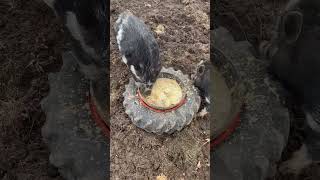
x=86 y=22
x=138 y=47
x=201 y=78
x=294 y=51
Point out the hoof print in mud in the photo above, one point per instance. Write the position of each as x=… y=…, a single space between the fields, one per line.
x=161 y=121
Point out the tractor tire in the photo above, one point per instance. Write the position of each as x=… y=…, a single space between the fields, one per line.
x=167 y=122
x=254 y=148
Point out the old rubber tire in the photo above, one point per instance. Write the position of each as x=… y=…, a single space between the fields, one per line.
x=160 y=123
x=254 y=148
x=77 y=147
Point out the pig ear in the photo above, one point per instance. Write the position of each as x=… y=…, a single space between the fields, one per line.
x=292 y=25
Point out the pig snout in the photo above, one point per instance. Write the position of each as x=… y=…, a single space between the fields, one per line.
x=138 y=47
x=141 y=76
x=145 y=75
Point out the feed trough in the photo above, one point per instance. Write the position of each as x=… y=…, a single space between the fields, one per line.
x=164 y=117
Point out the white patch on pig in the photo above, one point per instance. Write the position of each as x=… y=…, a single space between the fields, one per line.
x=200 y=63
x=134 y=72
x=122 y=22
x=75 y=30
x=119 y=20
x=124 y=59
x=120 y=36
x=207 y=100
x=203 y=112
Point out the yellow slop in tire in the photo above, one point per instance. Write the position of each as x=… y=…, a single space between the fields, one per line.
x=165 y=93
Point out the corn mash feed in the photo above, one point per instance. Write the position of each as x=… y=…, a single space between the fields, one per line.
x=165 y=93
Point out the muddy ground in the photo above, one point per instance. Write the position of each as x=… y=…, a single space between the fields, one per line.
x=136 y=154
x=30 y=45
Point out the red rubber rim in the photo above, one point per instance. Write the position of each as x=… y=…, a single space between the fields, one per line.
x=160 y=110
x=224 y=135
x=95 y=116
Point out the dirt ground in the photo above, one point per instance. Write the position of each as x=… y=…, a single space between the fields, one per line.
x=30 y=47
x=136 y=154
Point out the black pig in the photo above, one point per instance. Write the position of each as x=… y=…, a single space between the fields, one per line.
x=202 y=81
x=138 y=47
x=86 y=22
x=294 y=51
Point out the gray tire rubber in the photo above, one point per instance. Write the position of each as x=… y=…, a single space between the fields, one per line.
x=77 y=146
x=160 y=123
x=254 y=148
